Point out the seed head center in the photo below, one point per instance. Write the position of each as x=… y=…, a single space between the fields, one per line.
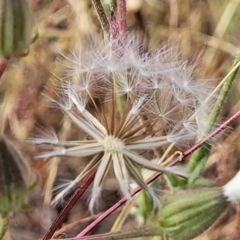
x=112 y=144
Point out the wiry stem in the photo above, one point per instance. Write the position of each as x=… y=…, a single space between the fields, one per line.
x=156 y=175
x=70 y=204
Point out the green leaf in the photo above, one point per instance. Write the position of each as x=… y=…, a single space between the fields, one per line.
x=200 y=157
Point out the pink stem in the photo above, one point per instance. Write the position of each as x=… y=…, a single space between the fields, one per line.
x=122 y=16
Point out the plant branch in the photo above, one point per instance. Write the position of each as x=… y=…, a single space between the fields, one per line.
x=70 y=204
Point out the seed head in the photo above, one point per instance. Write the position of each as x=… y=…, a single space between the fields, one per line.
x=128 y=102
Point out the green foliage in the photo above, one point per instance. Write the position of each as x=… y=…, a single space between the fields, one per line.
x=186 y=214
x=15 y=27
x=15 y=181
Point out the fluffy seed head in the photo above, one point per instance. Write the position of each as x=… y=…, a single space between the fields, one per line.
x=128 y=102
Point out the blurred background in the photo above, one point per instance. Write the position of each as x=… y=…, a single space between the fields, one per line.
x=207 y=34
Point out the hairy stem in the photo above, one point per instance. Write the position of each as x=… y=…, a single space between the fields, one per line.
x=101 y=15
x=199 y=158
x=222 y=95
x=122 y=16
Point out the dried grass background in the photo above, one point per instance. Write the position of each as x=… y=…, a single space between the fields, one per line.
x=206 y=32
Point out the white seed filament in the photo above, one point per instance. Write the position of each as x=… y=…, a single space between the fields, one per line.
x=113 y=145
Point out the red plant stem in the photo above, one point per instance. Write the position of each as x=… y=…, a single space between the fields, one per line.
x=156 y=175
x=122 y=16
x=3 y=65
x=70 y=204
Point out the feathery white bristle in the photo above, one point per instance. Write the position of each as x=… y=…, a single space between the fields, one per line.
x=57 y=151
x=94 y=197
x=232 y=189
x=63 y=189
x=45 y=136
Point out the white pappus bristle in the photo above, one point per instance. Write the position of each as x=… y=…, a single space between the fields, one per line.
x=232 y=189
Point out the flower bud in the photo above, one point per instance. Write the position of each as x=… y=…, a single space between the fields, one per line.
x=186 y=214
x=15 y=27
x=14 y=179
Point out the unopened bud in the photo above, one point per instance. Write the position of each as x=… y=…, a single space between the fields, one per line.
x=186 y=214
x=15 y=27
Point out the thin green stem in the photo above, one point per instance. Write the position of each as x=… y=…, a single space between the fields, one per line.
x=4 y=222
x=222 y=96
x=121 y=104
x=200 y=157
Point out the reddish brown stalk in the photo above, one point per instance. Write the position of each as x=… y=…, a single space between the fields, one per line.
x=129 y=125
x=3 y=65
x=156 y=175
x=70 y=204
x=122 y=121
x=146 y=125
